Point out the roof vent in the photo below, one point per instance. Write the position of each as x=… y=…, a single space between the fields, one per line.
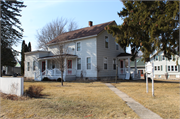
x=90 y=23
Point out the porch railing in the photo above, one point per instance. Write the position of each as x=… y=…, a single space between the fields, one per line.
x=122 y=70
x=53 y=72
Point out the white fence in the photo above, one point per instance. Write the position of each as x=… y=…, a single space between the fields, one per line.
x=12 y=85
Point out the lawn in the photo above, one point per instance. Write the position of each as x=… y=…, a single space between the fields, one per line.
x=73 y=100
x=166 y=102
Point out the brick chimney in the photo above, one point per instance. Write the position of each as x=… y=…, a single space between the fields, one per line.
x=90 y=23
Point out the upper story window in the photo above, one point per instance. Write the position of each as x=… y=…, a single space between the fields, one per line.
x=156 y=58
x=28 y=66
x=106 y=42
x=105 y=62
x=117 y=46
x=88 y=63
x=159 y=68
x=34 y=66
x=163 y=57
x=78 y=63
x=78 y=46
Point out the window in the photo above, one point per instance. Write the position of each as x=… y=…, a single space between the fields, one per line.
x=34 y=66
x=168 y=68
x=155 y=67
x=105 y=62
x=156 y=58
x=163 y=57
x=78 y=63
x=78 y=46
x=114 y=64
x=161 y=68
x=88 y=63
x=172 y=68
x=158 y=68
x=173 y=57
x=117 y=46
x=28 y=66
x=106 y=42
x=175 y=68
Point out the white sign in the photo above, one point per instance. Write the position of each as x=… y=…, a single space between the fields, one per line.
x=150 y=73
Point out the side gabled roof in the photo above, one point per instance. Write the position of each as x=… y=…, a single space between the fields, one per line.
x=84 y=32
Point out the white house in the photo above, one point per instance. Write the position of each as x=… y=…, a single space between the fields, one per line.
x=164 y=66
x=92 y=53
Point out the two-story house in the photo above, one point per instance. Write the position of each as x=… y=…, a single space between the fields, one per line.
x=163 y=66
x=92 y=53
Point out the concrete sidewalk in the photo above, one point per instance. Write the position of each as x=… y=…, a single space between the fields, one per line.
x=139 y=109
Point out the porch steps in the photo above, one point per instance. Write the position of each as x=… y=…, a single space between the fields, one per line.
x=127 y=76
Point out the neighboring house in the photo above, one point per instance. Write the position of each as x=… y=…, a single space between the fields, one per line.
x=164 y=66
x=8 y=70
x=140 y=66
x=93 y=53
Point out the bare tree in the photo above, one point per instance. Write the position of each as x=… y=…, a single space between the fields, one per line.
x=54 y=29
x=60 y=55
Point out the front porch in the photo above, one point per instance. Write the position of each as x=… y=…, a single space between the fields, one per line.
x=47 y=67
x=124 y=71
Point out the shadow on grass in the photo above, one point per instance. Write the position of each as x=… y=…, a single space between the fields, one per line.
x=112 y=81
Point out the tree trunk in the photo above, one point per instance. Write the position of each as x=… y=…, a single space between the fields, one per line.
x=62 y=78
x=0 y=71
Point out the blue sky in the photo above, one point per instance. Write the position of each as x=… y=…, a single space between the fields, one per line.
x=40 y=12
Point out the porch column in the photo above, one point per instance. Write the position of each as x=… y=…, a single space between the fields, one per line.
x=46 y=67
x=128 y=64
x=135 y=66
x=116 y=69
x=65 y=66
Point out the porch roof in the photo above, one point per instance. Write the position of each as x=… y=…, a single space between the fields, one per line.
x=53 y=56
x=124 y=55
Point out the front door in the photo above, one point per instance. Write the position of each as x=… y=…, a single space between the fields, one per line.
x=43 y=66
x=69 y=66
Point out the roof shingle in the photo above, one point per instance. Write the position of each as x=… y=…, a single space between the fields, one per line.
x=84 y=32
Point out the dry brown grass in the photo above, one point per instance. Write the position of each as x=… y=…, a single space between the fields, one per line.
x=166 y=102
x=73 y=100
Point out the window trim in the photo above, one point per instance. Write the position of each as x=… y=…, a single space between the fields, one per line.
x=105 y=42
x=77 y=46
x=77 y=63
x=104 y=63
x=87 y=63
